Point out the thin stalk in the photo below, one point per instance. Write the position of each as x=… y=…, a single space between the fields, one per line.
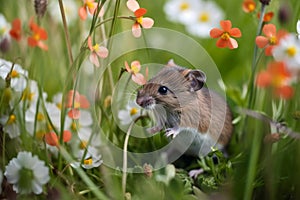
x=124 y=176
x=255 y=146
x=68 y=41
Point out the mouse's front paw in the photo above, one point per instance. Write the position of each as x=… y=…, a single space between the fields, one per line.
x=172 y=132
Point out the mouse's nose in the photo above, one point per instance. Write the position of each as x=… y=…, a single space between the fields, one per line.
x=144 y=101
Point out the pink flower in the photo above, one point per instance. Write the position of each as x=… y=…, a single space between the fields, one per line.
x=75 y=101
x=89 y=5
x=134 y=69
x=140 y=21
x=96 y=51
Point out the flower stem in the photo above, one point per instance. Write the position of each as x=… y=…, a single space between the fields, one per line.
x=124 y=176
x=68 y=41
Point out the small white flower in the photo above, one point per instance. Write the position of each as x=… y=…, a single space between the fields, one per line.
x=131 y=113
x=298 y=29
x=288 y=51
x=11 y=125
x=18 y=75
x=202 y=20
x=179 y=10
x=92 y=158
x=70 y=8
x=31 y=94
x=4 y=28
x=27 y=173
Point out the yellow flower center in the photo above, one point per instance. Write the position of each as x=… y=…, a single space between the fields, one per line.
x=184 y=6
x=134 y=69
x=76 y=104
x=39 y=135
x=59 y=105
x=36 y=37
x=75 y=126
x=11 y=119
x=225 y=36
x=291 y=51
x=251 y=7
x=139 y=20
x=273 y=40
x=88 y=161
x=89 y=4
x=14 y=74
x=40 y=116
x=278 y=81
x=83 y=144
x=96 y=47
x=133 y=111
x=204 y=17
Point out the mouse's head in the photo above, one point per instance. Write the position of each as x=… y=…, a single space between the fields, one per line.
x=171 y=87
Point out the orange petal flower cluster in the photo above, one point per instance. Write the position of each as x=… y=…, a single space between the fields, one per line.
x=75 y=102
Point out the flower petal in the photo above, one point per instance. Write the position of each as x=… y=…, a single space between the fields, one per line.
x=285 y=92
x=84 y=102
x=261 y=41
x=74 y=113
x=136 y=30
x=222 y=43
x=235 y=32
x=132 y=5
x=82 y=13
x=32 y=42
x=90 y=45
x=226 y=25
x=232 y=43
x=51 y=139
x=139 y=78
x=269 y=30
x=42 y=45
x=127 y=67
x=216 y=33
x=103 y=52
x=67 y=136
x=140 y=12
x=94 y=59
x=147 y=22
x=136 y=64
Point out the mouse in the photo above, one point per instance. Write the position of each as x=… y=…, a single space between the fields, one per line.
x=179 y=103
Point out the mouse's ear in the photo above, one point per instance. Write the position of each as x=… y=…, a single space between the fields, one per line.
x=197 y=79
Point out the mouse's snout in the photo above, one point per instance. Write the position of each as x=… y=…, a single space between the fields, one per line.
x=144 y=101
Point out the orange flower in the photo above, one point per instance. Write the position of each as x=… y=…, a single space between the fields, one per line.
x=52 y=139
x=248 y=6
x=16 y=30
x=267 y=17
x=38 y=34
x=225 y=35
x=134 y=69
x=141 y=21
x=271 y=40
x=89 y=5
x=75 y=101
x=277 y=77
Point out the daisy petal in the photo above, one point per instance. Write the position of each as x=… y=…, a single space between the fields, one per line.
x=132 y=5
x=147 y=22
x=136 y=30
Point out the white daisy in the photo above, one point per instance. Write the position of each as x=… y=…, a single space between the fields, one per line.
x=4 y=28
x=10 y=125
x=92 y=158
x=131 y=113
x=202 y=20
x=27 y=173
x=18 y=75
x=179 y=10
x=288 y=51
x=31 y=94
x=70 y=8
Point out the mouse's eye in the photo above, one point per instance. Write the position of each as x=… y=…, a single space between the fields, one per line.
x=162 y=90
